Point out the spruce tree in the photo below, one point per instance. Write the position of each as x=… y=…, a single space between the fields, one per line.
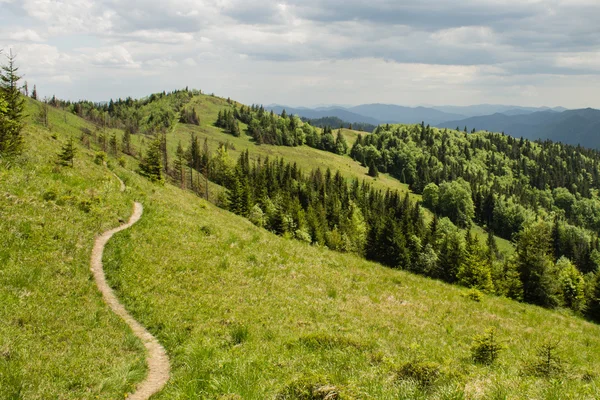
x=67 y=153
x=126 y=142
x=373 y=169
x=12 y=106
x=151 y=163
x=34 y=93
x=179 y=165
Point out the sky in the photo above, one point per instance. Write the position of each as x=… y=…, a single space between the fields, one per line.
x=312 y=52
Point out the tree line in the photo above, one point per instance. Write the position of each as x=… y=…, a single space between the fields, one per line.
x=280 y=130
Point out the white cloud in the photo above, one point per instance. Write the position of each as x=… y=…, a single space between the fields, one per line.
x=432 y=51
x=60 y=79
x=26 y=35
x=162 y=36
x=190 y=62
x=113 y=57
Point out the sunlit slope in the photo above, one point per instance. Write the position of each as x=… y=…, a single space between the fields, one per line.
x=57 y=338
x=306 y=157
x=244 y=312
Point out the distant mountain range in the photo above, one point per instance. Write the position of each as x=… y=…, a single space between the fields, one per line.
x=558 y=124
x=571 y=126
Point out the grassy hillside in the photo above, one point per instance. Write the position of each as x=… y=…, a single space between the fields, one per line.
x=306 y=157
x=242 y=313
x=57 y=338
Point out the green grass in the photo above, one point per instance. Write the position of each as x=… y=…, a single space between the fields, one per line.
x=57 y=338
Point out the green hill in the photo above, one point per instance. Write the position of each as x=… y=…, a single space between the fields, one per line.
x=241 y=312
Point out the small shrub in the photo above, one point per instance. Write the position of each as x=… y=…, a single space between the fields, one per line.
x=547 y=362
x=206 y=230
x=239 y=334
x=85 y=205
x=475 y=295
x=100 y=157
x=121 y=162
x=302 y=235
x=422 y=372
x=50 y=195
x=486 y=348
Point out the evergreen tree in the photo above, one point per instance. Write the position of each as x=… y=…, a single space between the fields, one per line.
x=341 y=146
x=179 y=165
x=67 y=153
x=373 y=170
x=9 y=83
x=34 y=94
x=540 y=283
x=474 y=272
x=126 y=142
x=12 y=106
x=114 y=144
x=151 y=164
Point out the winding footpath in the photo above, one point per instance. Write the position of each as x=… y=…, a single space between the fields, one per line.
x=157 y=360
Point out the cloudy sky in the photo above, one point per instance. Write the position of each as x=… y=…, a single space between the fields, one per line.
x=309 y=52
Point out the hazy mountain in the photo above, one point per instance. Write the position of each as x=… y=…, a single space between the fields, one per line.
x=388 y=113
x=374 y=114
x=310 y=113
x=489 y=109
x=572 y=126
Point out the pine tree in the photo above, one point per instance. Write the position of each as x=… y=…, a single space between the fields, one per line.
x=9 y=82
x=114 y=144
x=151 y=163
x=179 y=165
x=126 y=142
x=12 y=106
x=34 y=93
x=373 y=169
x=67 y=154
x=341 y=145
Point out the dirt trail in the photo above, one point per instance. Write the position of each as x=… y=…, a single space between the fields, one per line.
x=157 y=360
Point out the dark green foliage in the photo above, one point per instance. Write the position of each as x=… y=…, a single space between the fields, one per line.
x=114 y=144
x=189 y=116
x=508 y=179
x=12 y=105
x=547 y=362
x=593 y=305
x=336 y=123
x=226 y=120
x=486 y=348
x=324 y=209
x=373 y=172
x=126 y=143
x=67 y=153
x=151 y=164
x=535 y=266
x=100 y=158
